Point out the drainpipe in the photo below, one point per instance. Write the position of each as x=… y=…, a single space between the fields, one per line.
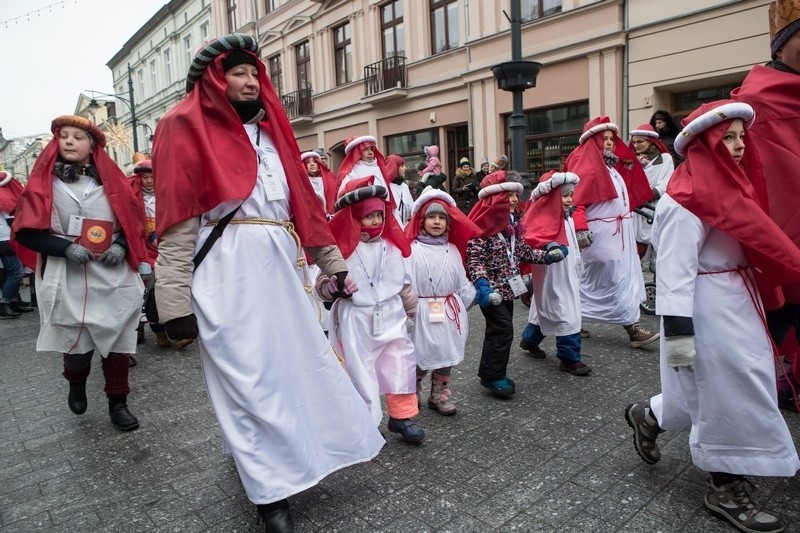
x=625 y=73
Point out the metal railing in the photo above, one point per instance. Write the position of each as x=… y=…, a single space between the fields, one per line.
x=298 y=103
x=389 y=73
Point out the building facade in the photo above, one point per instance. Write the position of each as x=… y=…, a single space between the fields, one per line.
x=149 y=71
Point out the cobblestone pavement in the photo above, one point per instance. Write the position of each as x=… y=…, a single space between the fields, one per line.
x=556 y=457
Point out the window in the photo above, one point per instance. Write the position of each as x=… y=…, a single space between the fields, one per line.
x=409 y=146
x=551 y=134
x=534 y=9
x=302 y=57
x=687 y=101
x=153 y=78
x=140 y=75
x=392 y=29
x=167 y=67
x=187 y=46
x=444 y=25
x=204 y=32
x=276 y=73
x=270 y=5
x=343 y=54
x=233 y=22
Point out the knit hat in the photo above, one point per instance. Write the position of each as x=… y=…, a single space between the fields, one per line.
x=83 y=123
x=238 y=57
x=435 y=208
x=484 y=161
x=784 y=21
x=463 y=161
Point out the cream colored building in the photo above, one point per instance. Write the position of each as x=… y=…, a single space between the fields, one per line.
x=685 y=52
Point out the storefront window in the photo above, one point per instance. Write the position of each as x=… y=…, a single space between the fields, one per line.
x=551 y=134
x=687 y=101
x=410 y=147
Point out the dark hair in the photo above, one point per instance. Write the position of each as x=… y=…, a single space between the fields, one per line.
x=672 y=129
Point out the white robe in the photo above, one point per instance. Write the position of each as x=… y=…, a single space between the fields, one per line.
x=362 y=169
x=287 y=410
x=377 y=363
x=440 y=344
x=113 y=295
x=730 y=400
x=658 y=172
x=402 y=197
x=612 y=285
x=556 y=302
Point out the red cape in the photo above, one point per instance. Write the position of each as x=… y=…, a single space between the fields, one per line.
x=460 y=229
x=544 y=218
x=9 y=193
x=135 y=182
x=732 y=198
x=330 y=184
x=36 y=203
x=776 y=134
x=346 y=225
x=596 y=186
x=202 y=157
x=491 y=213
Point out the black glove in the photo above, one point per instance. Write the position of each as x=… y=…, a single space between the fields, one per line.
x=182 y=328
x=341 y=292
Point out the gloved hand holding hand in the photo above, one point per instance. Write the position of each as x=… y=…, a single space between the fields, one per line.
x=483 y=292
x=345 y=287
x=554 y=253
x=77 y=254
x=113 y=256
x=182 y=328
x=680 y=352
x=585 y=238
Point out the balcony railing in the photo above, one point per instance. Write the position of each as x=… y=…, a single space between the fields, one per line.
x=387 y=74
x=298 y=104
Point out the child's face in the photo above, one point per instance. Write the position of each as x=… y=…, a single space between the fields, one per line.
x=734 y=139
x=372 y=220
x=311 y=165
x=368 y=154
x=566 y=201
x=74 y=145
x=513 y=199
x=435 y=224
x=147 y=180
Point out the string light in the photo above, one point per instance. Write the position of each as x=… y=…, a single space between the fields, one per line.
x=37 y=12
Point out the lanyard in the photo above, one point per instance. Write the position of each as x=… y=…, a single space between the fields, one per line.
x=86 y=193
x=434 y=286
x=509 y=250
x=373 y=285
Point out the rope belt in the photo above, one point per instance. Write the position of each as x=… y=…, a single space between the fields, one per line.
x=302 y=264
x=618 y=219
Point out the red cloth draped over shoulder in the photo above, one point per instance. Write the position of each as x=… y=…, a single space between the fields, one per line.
x=544 y=218
x=491 y=212
x=203 y=157
x=135 y=182
x=732 y=198
x=10 y=192
x=36 y=203
x=775 y=97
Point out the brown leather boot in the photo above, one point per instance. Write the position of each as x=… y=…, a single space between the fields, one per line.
x=162 y=339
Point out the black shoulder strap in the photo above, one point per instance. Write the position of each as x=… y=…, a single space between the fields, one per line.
x=216 y=232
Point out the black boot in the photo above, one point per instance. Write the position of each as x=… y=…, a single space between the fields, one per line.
x=77 y=398
x=277 y=517
x=20 y=307
x=7 y=312
x=122 y=419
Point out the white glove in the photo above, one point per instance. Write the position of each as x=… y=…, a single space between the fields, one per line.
x=77 y=254
x=680 y=352
x=113 y=256
x=495 y=298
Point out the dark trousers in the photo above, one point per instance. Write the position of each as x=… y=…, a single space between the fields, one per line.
x=568 y=347
x=780 y=320
x=497 y=340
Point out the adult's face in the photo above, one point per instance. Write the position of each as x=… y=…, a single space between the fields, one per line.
x=660 y=125
x=790 y=53
x=608 y=141
x=311 y=165
x=74 y=145
x=242 y=83
x=640 y=145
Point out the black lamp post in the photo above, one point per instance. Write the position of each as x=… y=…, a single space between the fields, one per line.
x=515 y=76
x=129 y=101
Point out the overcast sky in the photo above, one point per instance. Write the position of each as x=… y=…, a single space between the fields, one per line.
x=46 y=60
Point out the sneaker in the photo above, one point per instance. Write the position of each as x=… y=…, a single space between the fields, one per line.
x=576 y=368
x=640 y=336
x=644 y=432
x=731 y=502
x=534 y=351
x=500 y=387
x=408 y=429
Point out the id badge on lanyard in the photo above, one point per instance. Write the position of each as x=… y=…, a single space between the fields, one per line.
x=435 y=311
x=377 y=321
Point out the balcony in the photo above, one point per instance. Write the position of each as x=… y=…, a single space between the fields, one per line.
x=299 y=106
x=385 y=80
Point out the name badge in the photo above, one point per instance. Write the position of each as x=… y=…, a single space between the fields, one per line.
x=517 y=285
x=273 y=187
x=377 y=321
x=75 y=225
x=435 y=311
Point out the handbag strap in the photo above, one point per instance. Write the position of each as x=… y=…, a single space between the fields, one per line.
x=216 y=233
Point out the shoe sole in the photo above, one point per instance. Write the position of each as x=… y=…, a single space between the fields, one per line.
x=640 y=344
x=636 y=443
x=722 y=515
x=432 y=406
x=406 y=439
x=574 y=373
x=126 y=428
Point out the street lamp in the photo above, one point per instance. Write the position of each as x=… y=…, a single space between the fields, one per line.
x=129 y=101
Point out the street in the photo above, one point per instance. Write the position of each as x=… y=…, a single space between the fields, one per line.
x=558 y=456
